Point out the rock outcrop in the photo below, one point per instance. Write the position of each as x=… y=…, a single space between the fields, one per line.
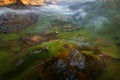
x=74 y=66
x=25 y=2
x=112 y=4
x=11 y=22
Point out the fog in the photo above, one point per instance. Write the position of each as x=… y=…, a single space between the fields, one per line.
x=50 y=8
x=60 y=10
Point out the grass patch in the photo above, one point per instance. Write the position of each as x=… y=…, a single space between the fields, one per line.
x=10 y=36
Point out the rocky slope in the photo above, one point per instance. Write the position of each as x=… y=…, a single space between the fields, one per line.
x=26 y=2
x=113 y=4
x=58 y=46
x=11 y=22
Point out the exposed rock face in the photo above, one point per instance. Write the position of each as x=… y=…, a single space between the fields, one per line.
x=26 y=2
x=74 y=66
x=112 y=4
x=11 y=22
x=34 y=2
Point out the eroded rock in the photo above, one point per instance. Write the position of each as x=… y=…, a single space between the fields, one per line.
x=74 y=66
x=13 y=22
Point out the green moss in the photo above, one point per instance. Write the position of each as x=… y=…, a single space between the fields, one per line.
x=53 y=46
x=7 y=60
x=10 y=36
x=34 y=59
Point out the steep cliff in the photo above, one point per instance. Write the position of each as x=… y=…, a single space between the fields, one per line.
x=26 y=2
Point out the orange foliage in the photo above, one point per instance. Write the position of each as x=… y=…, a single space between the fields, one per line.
x=32 y=2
